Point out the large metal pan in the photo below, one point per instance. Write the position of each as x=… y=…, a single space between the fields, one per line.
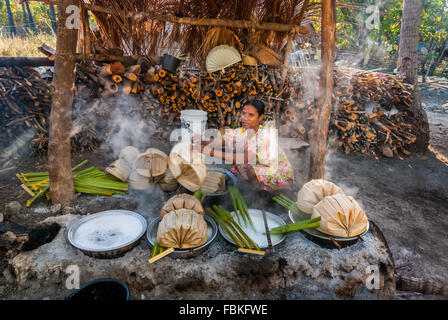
x=116 y=249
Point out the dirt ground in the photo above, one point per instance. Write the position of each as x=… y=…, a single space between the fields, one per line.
x=406 y=198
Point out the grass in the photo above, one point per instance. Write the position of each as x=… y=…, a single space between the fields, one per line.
x=25 y=46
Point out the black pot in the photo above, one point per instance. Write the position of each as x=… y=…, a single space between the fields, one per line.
x=170 y=63
x=101 y=290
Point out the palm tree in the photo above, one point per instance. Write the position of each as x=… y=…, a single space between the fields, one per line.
x=12 y=27
x=407 y=66
x=408 y=49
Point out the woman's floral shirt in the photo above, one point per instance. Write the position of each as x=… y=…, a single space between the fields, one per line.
x=270 y=165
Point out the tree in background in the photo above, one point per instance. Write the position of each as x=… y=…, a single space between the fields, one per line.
x=407 y=66
x=24 y=14
x=30 y=17
x=12 y=27
x=54 y=24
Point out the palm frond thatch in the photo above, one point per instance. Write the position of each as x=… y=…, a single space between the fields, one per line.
x=152 y=37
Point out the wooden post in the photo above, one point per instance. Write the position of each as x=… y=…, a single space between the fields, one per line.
x=84 y=40
x=322 y=116
x=59 y=150
x=287 y=57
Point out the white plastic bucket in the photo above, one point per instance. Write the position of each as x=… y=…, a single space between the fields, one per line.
x=193 y=122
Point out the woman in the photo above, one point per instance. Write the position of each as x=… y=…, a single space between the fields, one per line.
x=262 y=160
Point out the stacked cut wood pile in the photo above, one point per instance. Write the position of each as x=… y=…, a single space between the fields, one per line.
x=371 y=112
x=221 y=94
x=25 y=105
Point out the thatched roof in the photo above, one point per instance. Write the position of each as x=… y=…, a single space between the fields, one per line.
x=152 y=37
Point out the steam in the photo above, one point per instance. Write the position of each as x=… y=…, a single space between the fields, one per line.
x=128 y=128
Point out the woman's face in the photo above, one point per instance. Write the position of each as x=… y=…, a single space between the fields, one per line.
x=250 y=118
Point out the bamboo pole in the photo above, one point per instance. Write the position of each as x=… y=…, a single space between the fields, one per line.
x=59 y=152
x=42 y=61
x=322 y=116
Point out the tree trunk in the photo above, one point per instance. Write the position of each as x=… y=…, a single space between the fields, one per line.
x=408 y=49
x=322 y=116
x=59 y=155
x=438 y=60
x=54 y=24
x=12 y=27
x=25 y=19
x=407 y=66
x=30 y=17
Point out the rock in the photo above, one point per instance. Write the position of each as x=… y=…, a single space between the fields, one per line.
x=387 y=151
x=68 y=210
x=9 y=277
x=1 y=217
x=7 y=239
x=56 y=208
x=12 y=208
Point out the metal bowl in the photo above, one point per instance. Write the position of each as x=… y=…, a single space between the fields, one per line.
x=324 y=239
x=151 y=234
x=112 y=252
x=254 y=212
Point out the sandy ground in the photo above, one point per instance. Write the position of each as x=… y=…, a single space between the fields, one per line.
x=406 y=198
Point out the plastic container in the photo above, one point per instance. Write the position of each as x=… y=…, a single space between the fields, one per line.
x=101 y=290
x=170 y=63
x=193 y=122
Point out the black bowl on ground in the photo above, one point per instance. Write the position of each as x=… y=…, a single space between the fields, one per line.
x=106 y=289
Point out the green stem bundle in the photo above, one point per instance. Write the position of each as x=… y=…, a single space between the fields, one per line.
x=288 y=204
x=240 y=207
x=90 y=180
x=232 y=228
x=157 y=249
x=300 y=225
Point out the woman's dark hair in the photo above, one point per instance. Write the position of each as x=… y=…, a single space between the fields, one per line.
x=258 y=104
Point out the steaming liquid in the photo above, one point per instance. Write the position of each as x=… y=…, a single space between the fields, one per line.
x=108 y=232
x=257 y=236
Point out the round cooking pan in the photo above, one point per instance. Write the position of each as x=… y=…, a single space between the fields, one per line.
x=326 y=240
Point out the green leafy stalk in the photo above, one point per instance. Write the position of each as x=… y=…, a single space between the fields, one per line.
x=294 y=227
x=37 y=195
x=234 y=204
x=223 y=224
x=245 y=210
x=237 y=226
x=233 y=225
x=298 y=223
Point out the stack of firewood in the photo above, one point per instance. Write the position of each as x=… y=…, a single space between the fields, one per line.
x=221 y=94
x=25 y=104
x=370 y=113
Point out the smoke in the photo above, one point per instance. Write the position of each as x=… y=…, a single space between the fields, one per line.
x=128 y=128
x=149 y=201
